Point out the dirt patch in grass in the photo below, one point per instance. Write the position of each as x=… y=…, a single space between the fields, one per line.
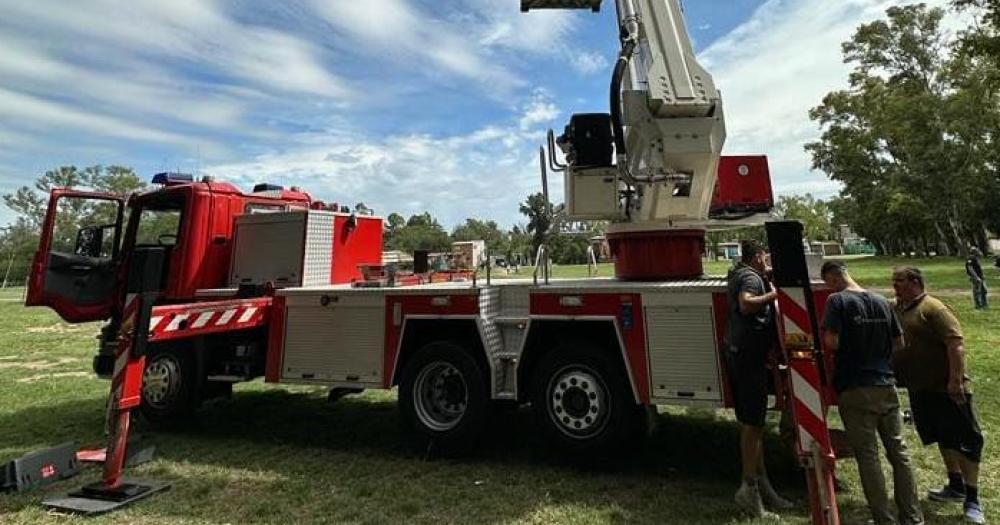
x=55 y=375
x=38 y=365
x=58 y=328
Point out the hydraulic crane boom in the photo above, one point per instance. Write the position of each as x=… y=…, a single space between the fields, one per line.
x=667 y=129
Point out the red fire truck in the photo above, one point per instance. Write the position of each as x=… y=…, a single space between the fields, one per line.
x=203 y=286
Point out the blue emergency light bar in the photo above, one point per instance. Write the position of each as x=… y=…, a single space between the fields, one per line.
x=170 y=178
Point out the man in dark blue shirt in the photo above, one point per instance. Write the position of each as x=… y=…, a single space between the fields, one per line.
x=862 y=331
x=975 y=272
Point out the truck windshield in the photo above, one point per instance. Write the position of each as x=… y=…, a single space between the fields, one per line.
x=158 y=227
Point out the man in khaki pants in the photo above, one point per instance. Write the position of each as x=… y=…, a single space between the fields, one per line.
x=863 y=332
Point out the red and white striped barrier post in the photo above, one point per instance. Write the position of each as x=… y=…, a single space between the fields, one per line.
x=805 y=385
x=805 y=381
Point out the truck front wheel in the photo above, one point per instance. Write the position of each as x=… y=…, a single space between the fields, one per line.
x=443 y=396
x=168 y=385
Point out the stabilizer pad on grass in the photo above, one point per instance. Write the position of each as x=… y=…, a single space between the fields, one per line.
x=89 y=506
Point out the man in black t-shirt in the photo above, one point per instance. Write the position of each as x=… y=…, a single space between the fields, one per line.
x=750 y=336
x=862 y=331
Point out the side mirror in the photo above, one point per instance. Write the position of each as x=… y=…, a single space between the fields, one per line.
x=90 y=240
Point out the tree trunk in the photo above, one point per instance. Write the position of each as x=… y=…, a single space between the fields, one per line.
x=963 y=249
x=944 y=240
x=982 y=239
x=881 y=247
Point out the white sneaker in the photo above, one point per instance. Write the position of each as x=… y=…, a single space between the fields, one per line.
x=748 y=500
x=771 y=498
x=974 y=513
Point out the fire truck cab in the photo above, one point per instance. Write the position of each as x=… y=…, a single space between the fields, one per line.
x=176 y=239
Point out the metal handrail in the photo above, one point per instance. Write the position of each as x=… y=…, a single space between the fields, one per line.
x=554 y=164
x=541 y=256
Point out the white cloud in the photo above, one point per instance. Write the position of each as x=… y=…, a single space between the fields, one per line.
x=485 y=173
x=778 y=65
x=40 y=112
x=538 y=33
x=501 y=24
x=539 y=110
x=190 y=30
x=399 y=30
x=588 y=62
x=139 y=90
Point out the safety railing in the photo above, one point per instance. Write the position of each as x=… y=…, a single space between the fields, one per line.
x=592 y=267
x=541 y=263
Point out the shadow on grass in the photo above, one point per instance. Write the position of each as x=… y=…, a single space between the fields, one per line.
x=281 y=455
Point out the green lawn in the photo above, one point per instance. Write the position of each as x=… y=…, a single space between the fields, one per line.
x=277 y=455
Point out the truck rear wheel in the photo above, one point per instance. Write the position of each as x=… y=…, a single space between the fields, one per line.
x=583 y=403
x=443 y=396
x=168 y=386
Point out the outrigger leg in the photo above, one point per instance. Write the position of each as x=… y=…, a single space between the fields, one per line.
x=115 y=491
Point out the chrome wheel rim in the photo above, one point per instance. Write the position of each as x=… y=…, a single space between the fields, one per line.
x=440 y=396
x=578 y=402
x=161 y=381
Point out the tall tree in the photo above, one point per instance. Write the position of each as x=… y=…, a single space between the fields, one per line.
x=814 y=214
x=540 y=215
x=907 y=138
x=421 y=232
x=19 y=240
x=480 y=230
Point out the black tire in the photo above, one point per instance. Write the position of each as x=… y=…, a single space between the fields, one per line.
x=583 y=403
x=168 y=386
x=444 y=398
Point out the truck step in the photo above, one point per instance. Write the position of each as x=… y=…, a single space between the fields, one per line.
x=228 y=378
x=511 y=320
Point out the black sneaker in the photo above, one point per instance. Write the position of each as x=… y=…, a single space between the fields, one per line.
x=946 y=494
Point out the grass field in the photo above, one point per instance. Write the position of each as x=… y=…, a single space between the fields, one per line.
x=279 y=455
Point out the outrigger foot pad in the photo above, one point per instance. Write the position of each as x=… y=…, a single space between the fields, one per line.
x=97 y=498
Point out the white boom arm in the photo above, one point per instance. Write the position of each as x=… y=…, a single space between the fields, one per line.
x=667 y=125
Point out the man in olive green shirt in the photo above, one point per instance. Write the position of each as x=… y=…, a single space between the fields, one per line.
x=932 y=367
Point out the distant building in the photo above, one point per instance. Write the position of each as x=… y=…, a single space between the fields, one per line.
x=826 y=249
x=729 y=250
x=849 y=237
x=468 y=255
x=601 y=248
x=396 y=257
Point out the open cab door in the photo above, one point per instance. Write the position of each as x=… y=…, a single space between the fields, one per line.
x=75 y=270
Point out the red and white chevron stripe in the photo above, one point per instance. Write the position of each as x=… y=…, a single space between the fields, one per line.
x=170 y=322
x=806 y=387
x=794 y=313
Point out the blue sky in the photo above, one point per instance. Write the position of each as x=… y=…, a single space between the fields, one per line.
x=406 y=105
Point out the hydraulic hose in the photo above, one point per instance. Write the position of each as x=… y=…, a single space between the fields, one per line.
x=618 y=130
